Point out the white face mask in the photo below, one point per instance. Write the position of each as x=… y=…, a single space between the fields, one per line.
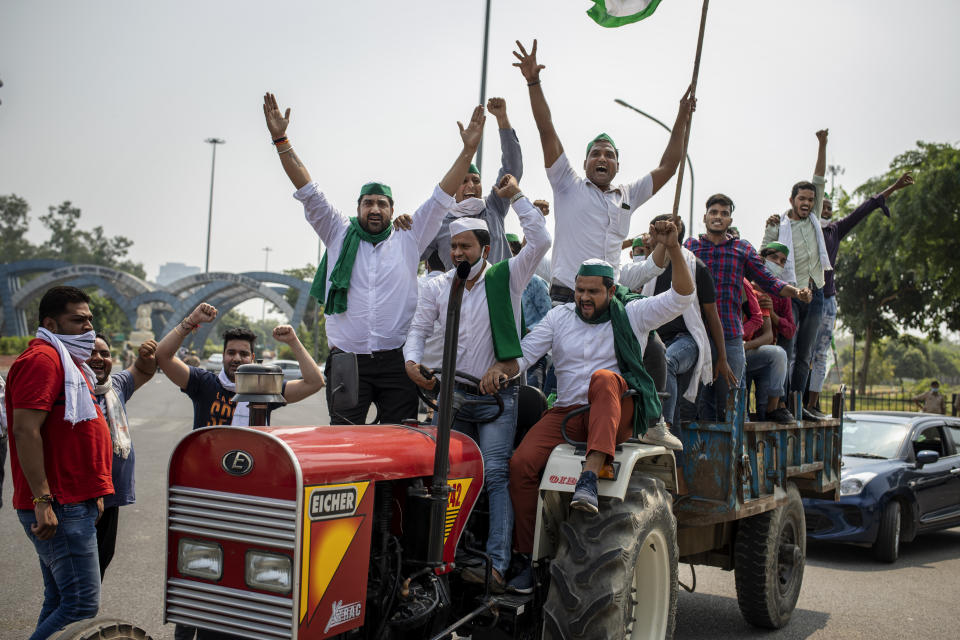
x=477 y=267
x=823 y=222
x=774 y=268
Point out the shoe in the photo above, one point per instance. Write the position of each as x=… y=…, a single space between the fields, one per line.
x=523 y=581
x=477 y=575
x=659 y=435
x=808 y=414
x=781 y=415
x=585 y=494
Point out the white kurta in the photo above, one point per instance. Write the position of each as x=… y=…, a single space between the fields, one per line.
x=590 y=223
x=383 y=286
x=580 y=349
x=475 y=352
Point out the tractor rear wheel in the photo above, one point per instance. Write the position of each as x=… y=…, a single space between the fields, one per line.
x=770 y=553
x=615 y=573
x=101 y=629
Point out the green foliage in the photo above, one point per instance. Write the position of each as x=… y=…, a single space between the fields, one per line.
x=14 y=224
x=108 y=318
x=13 y=345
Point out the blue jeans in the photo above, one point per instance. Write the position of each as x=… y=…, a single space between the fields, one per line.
x=495 y=438
x=69 y=564
x=713 y=400
x=682 y=354
x=807 y=317
x=821 y=351
x=767 y=367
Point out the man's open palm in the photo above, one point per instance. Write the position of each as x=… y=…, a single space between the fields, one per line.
x=276 y=122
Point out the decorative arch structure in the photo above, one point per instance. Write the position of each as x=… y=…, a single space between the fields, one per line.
x=167 y=305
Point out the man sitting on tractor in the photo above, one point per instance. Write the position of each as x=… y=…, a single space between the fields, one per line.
x=597 y=343
x=489 y=332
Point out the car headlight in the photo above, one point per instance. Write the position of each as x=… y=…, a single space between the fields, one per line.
x=853 y=484
x=269 y=571
x=200 y=559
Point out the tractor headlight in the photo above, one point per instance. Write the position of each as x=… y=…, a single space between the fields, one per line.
x=200 y=559
x=853 y=484
x=269 y=571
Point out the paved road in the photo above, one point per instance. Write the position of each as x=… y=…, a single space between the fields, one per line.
x=845 y=593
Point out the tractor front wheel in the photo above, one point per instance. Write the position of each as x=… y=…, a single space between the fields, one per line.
x=615 y=573
x=101 y=629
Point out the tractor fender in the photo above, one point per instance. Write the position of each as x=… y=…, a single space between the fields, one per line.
x=564 y=467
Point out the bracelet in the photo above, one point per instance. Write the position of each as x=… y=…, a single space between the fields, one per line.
x=280 y=140
x=44 y=498
x=186 y=326
x=287 y=150
x=516 y=196
x=530 y=84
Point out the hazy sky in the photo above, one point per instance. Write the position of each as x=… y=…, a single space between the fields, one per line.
x=107 y=104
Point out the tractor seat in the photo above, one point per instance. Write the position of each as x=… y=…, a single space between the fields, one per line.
x=531 y=405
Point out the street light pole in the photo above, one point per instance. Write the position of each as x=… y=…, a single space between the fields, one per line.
x=483 y=80
x=266 y=263
x=669 y=130
x=213 y=167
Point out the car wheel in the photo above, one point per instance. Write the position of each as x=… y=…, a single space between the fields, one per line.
x=887 y=546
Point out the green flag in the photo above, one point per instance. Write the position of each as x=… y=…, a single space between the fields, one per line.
x=616 y=13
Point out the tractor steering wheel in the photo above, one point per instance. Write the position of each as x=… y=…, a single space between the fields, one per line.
x=430 y=399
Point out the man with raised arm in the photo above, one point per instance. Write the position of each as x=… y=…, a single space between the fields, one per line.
x=491 y=210
x=212 y=393
x=593 y=214
x=489 y=332
x=728 y=259
x=367 y=281
x=597 y=344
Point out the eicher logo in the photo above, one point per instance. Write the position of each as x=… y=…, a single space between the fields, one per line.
x=342 y=613
x=333 y=503
x=237 y=462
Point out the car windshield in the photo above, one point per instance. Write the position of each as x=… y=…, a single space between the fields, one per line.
x=867 y=439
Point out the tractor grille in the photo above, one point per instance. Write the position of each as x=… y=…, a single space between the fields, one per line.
x=232 y=516
x=244 y=613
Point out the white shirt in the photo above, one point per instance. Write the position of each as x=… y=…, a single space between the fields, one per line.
x=580 y=349
x=475 y=352
x=383 y=286
x=590 y=223
x=433 y=343
x=635 y=274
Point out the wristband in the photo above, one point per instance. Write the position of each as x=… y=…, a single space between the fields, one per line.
x=44 y=498
x=280 y=140
x=530 y=84
x=516 y=196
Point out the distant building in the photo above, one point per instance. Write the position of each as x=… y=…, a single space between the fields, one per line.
x=172 y=271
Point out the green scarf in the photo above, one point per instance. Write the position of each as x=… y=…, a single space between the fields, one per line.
x=503 y=326
x=336 y=301
x=646 y=404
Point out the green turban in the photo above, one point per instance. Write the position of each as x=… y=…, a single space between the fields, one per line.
x=637 y=242
x=473 y=169
x=778 y=246
x=595 y=267
x=376 y=189
x=512 y=237
x=602 y=138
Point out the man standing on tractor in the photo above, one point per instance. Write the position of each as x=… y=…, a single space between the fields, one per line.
x=597 y=343
x=593 y=215
x=493 y=209
x=489 y=332
x=367 y=281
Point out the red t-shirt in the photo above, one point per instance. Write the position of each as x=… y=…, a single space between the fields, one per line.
x=77 y=458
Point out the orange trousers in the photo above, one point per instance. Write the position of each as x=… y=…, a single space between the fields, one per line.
x=608 y=423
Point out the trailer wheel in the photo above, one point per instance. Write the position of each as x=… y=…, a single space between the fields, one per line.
x=887 y=546
x=101 y=629
x=615 y=572
x=770 y=554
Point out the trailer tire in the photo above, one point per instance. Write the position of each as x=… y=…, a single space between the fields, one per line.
x=770 y=554
x=101 y=629
x=615 y=572
x=887 y=546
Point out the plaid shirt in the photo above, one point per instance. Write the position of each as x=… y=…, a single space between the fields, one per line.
x=728 y=262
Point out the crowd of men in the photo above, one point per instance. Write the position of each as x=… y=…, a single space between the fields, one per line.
x=693 y=318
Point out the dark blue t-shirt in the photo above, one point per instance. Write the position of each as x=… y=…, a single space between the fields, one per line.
x=212 y=405
x=123 y=482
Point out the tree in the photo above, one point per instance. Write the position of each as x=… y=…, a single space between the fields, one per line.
x=902 y=272
x=14 y=224
x=79 y=246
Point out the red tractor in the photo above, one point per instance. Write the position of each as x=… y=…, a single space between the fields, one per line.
x=360 y=531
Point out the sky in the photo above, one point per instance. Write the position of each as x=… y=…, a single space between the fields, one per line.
x=108 y=104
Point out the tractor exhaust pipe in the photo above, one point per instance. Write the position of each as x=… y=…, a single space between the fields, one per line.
x=439 y=489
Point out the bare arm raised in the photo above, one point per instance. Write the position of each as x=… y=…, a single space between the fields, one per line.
x=538 y=103
x=174 y=367
x=277 y=124
x=471 y=135
x=673 y=154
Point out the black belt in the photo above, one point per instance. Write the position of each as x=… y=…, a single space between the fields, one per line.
x=369 y=355
x=560 y=293
x=473 y=389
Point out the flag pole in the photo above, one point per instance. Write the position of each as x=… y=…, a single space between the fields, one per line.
x=686 y=134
